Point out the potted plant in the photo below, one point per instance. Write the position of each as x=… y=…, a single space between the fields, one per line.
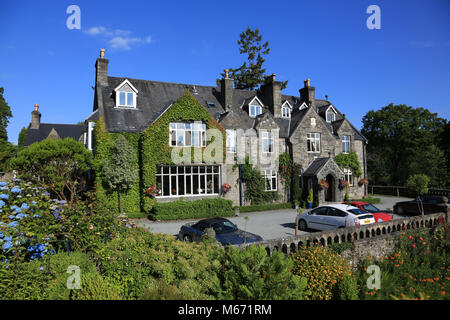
x=363 y=181
x=310 y=198
x=226 y=187
x=323 y=184
x=152 y=191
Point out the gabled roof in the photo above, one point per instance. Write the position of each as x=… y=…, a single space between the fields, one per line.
x=63 y=130
x=315 y=166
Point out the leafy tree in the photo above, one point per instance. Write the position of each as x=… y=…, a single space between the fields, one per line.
x=402 y=141
x=7 y=152
x=22 y=137
x=251 y=73
x=419 y=184
x=5 y=114
x=120 y=170
x=57 y=165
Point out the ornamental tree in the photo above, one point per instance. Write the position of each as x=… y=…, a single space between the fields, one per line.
x=418 y=183
x=120 y=170
x=57 y=165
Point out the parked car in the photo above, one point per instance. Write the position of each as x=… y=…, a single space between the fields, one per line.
x=431 y=204
x=333 y=216
x=378 y=214
x=226 y=231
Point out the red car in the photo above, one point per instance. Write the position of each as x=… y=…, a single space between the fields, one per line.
x=379 y=215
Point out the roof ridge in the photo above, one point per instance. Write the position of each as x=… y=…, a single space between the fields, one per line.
x=163 y=82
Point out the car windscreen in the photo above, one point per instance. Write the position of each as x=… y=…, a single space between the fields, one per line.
x=224 y=227
x=370 y=207
x=357 y=212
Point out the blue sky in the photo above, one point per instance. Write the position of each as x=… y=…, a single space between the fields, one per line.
x=405 y=62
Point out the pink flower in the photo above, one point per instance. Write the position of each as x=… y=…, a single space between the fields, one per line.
x=413 y=245
x=91 y=227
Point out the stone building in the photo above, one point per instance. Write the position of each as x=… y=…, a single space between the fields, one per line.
x=38 y=131
x=260 y=124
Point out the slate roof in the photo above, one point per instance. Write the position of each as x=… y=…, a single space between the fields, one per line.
x=64 y=131
x=315 y=166
x=155 y=97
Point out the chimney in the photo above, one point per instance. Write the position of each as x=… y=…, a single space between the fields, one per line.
x=226 y=91
x=271 y=95
x=101 y=68
x=35 y=117
x=307 y=92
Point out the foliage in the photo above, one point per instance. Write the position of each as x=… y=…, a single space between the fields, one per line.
x=104 y=145
x=265 y=207
x=22 y=137
x=57 y=165
x=255 y=185
x=251 y=274
x=297 y=192
x=417 y=132
x=285 y=170
x=5 y=115
x=369 y=200
x=7 y=154
x=154 y=143
x=310 y=198
x=349 y=160
x=323 y=269
x=120 y=171
x=418 y=269
x=418 y=183
x=204 y=208
x=135 y=259
x=346 y=289
x=251 y=73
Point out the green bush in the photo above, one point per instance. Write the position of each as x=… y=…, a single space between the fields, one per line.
x=322 y=268
x=95 y=287
x=250 y=274
x=346 y=289
x=205 y=208
x=265 y=207
x=135 y=259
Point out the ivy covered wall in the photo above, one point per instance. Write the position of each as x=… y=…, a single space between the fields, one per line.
x=151 y=149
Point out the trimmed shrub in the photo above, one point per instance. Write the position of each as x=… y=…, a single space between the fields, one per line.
x=265 y=207
x=205 y=208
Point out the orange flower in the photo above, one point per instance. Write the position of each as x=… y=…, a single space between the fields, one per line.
x=442 y=293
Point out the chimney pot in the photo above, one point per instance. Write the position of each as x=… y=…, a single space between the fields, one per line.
x=307 y=82
x=326 y=97
x=36 y=107
x=102 y=53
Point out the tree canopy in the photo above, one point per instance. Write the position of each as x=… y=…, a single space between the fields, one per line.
x=251 y=73
x=57 y=165
x=404 y=141
x=5 y=115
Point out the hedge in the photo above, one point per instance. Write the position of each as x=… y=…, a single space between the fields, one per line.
x=205 y=208
x=264 y=207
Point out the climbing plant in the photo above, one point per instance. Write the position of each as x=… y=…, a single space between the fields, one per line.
x=349 y=160
x=154 y=143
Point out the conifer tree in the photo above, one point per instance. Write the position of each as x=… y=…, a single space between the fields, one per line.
x=120 y=170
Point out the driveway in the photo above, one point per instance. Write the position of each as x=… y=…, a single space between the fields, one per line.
x=272 y=224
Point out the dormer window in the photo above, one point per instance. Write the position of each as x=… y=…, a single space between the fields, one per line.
x=330 y=114
x=255 y=110
x=126 y=95
x=254 y=107
x=286 y=110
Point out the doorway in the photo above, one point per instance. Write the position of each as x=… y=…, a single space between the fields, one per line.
x=329 y=193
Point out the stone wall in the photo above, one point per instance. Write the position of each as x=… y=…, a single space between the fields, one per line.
x=366 y=237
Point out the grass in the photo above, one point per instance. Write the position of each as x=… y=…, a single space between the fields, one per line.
x=369 y=200
x=137 y=215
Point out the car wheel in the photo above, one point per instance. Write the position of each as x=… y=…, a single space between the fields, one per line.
x=187 y=238
x=302 y=225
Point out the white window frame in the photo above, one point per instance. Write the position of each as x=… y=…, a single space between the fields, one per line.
x=119 y=92
x=348 y=175
x=267 y=136
x=346 y=144
x=207 y=177
x=271 y=180
x=231 y=140
x=197 y=131
x=257 y=110
x=330 y=114
x=313 y=142
x=286 y=110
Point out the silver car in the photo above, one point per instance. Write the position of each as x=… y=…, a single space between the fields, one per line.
x=333 y=216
